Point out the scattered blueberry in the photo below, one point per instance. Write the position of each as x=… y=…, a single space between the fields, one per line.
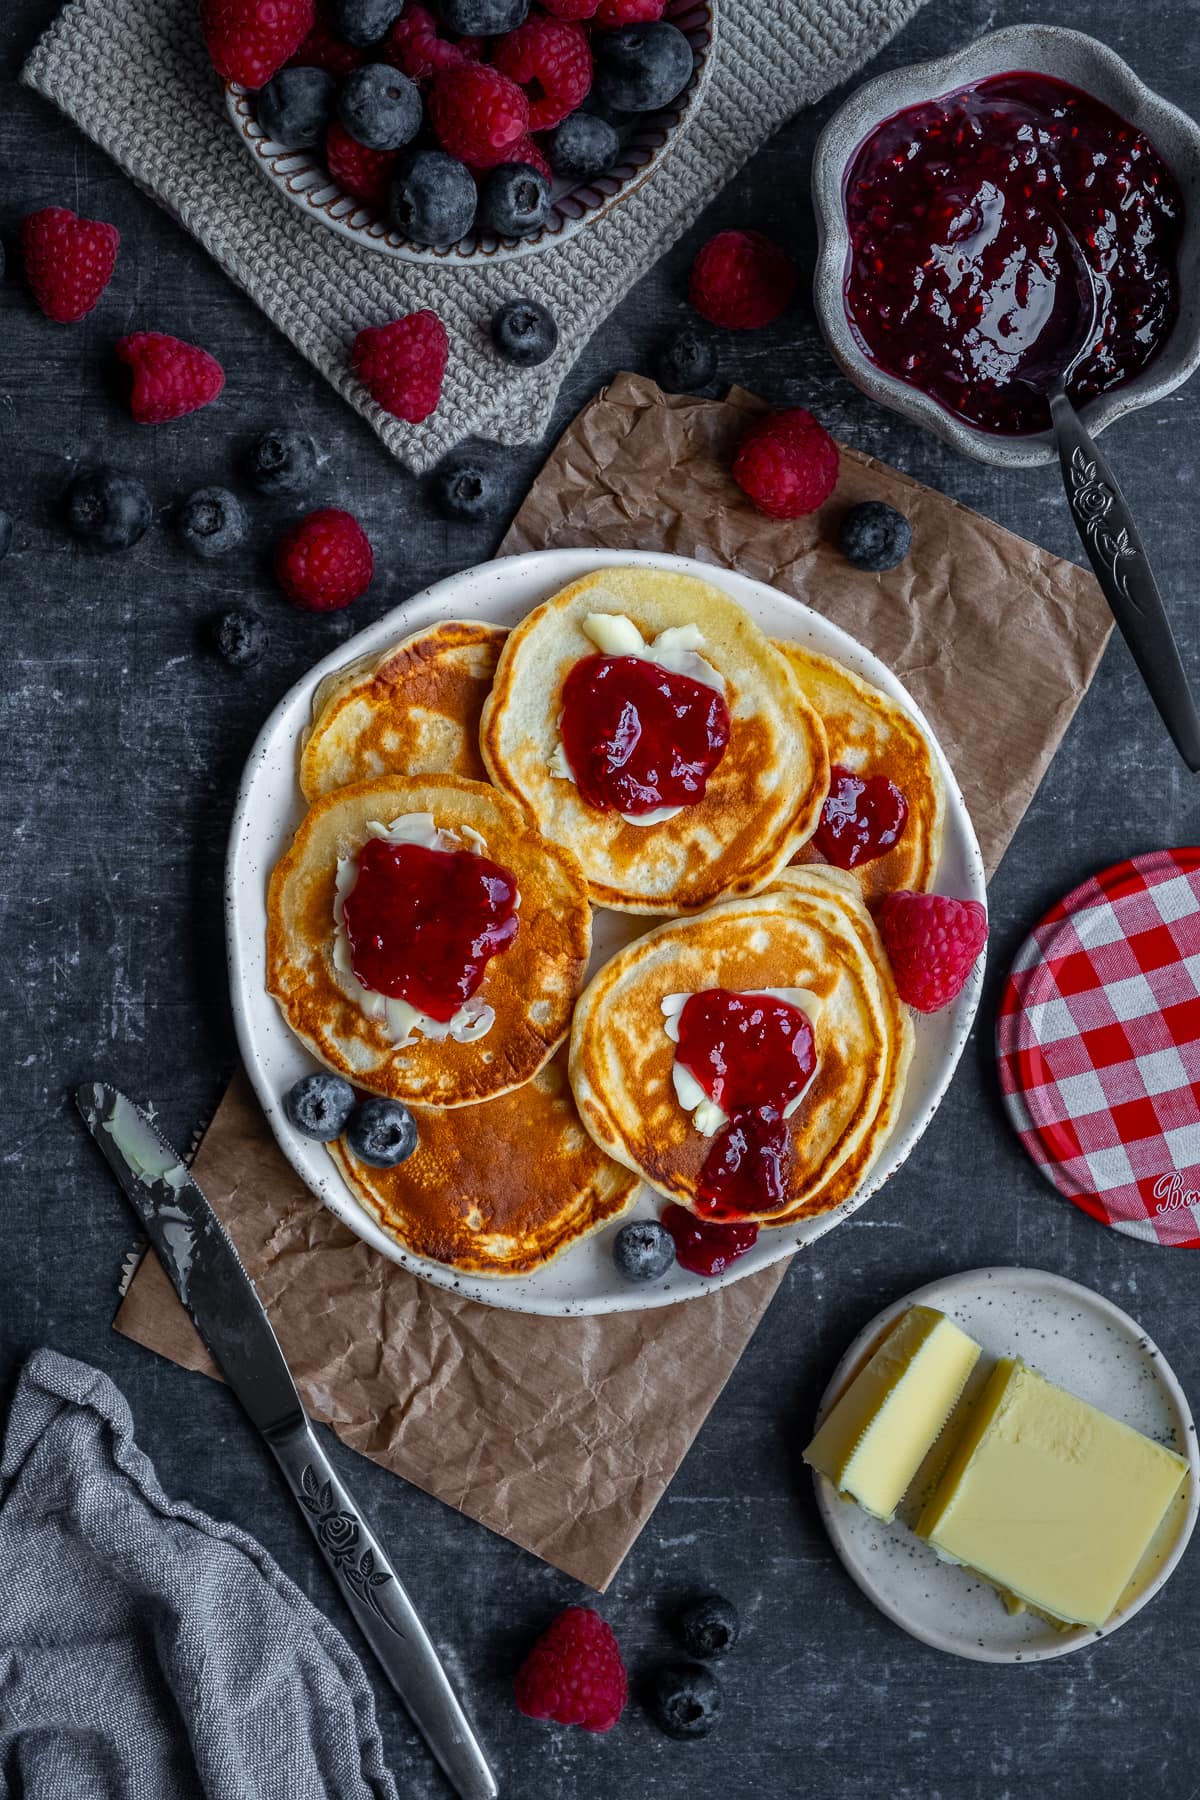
x=582 y=146
x=874 y=537
x=319 y=1105
x=514 y=200
x=6 y=534
x=481 y=18
x=709 y=1626
x=643 y=1250
x=465 y=487
x=640 y=68
x=433 y=198
x=239 y=638
x=283 y=462
x=686 y=362
x=211 y=521
x=380 y=107
x=381 y=1133
x=361 y=22
x=108 y=509
x=296 y=106
x=685 y=1699
x=524 y=332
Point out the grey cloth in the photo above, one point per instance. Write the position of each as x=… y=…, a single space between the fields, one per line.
x=135 y=76
x=147 y=1652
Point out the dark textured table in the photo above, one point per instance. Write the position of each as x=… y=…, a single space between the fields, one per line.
x=122 y=748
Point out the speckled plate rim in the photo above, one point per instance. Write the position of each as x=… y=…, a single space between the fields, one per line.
x=503 y=591
x=834 y=1511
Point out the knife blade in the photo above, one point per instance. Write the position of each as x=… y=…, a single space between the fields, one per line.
x=207 y=1273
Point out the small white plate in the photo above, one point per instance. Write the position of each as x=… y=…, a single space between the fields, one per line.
x=269 y=808
x=1089 y=1346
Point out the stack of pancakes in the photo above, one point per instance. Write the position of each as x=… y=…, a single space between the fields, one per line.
x=526 y=1144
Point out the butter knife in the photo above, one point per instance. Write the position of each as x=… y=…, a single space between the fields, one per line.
x=208 y=1276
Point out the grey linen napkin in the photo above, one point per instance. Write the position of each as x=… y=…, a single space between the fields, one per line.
x=134 y=75
x=146 y=1650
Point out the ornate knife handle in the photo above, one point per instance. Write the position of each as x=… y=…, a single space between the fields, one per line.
x=1110 y=537
x=382 y=1609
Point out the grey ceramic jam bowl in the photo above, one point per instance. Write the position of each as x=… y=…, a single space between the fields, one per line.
x=1043 y=50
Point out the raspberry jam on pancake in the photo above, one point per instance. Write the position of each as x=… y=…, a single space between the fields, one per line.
x=863 y=818
x=704 y=1247
x=639 y=736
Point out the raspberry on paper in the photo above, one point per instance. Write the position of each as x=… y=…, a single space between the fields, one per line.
x=68 y=261
x=741 y=280
x=574 y=1673
x=170 y=378
x=933 y=942
x=324 y=561
x=249 y=40
x=552 y=60
x=402 y=364
x=787 y=463
x=478 y=114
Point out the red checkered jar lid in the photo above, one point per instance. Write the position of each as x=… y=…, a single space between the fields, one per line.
x=1098 y=1041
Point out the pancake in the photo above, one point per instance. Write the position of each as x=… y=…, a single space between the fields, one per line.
x=871 y=734
x=530 y=985
x=810 y=931
x=412 y=711
x=501 y=1189
x=763 y=799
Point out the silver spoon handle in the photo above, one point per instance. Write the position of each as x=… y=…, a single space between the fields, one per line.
x=1110 y=537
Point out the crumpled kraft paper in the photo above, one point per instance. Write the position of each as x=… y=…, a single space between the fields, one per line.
x=563 y=1434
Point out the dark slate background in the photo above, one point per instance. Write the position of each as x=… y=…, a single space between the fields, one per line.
x=122 y=744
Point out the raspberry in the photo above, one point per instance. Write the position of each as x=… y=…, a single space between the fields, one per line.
x=527 y=152
x=629 y=12
x=574 y=1673
x=402 y=364
x=933 y=943
x=68 y=261
x=741 y=280
x=570 y=9
x=479 y=114
x=787 y=463
x=367 y=174
x=170 y=378
x=321 y=50
x=324 y=561
x=552 y=61
x=415 y=46
x=249 y=39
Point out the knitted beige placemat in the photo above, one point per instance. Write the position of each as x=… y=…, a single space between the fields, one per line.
x=134 y=75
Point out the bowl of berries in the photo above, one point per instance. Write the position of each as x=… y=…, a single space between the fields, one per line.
x=464 y=131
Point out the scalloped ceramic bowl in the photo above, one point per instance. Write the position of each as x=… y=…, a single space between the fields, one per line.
x=1044 y=50
x=301 y=175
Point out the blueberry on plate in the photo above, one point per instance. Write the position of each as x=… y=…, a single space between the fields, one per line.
x=6 y=534
x=708 y=1626
x=641 y=68
x=239 y=638
x=686 y=362
x=514 y=200
x=108 y=509
x=481 y=18
x=211 y=522
x=466 y=487
x=319 y=1105
x=582 y=147
x=282 y=462
x=296 y=106
x=524 y=333
x=361 y=22
x=643 y=1250
x=874 y=537
x=380 y=107
x=381 y=1133
x=685 y=1699
x=433 y=197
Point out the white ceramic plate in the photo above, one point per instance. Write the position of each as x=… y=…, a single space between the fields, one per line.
x=269 y=807
x=1089 y=1346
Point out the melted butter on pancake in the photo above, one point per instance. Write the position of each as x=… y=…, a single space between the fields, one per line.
x=707 y=1117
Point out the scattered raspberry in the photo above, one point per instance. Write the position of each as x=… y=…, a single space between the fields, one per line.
x=478 y=114
x=324 y=561
x=416 y=46
x=321 y=50
x=170 y=378
x=249 y=40
x=367 y=174
x=570 y=9
x=741 y=280
x=552 y=60
x=402 y=364
x=574 y=1673
x=933 y=943
x=787 y=463
x=629 y=12
x=526 y=151
x=68 y=261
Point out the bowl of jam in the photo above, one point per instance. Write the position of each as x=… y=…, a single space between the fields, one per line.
x=947 y=197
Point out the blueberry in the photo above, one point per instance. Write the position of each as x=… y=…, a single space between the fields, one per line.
x=481 y=18
x=239 y=638
x=643 y=1250
x=524 y=332
x=296 y=106
x=641 y=68
x=685 y=1699
x=708 y=1626
x=514 y=201
x=433 y=198
x=465 y=487
x=283 y=462
x=874 y=537
x=381 y=1133
x=687 y=362
x=380 y=107
x=361 y=22
x=108 y=509
x=319 y=1105
x=6 y=534
x=582 y=146
x=211 y=521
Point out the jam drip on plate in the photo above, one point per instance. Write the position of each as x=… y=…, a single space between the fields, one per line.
x=957 y=267
x=863 y=818
x=703 y=1246
x=638 y=736
x=423 y=924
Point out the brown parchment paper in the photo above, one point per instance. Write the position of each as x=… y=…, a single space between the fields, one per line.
x=563 y=1434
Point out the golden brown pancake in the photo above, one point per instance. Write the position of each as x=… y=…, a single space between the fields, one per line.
x=531 y=985
x=500 y=1189
x=412 y=711
x=870 y=734
x=763 y=799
